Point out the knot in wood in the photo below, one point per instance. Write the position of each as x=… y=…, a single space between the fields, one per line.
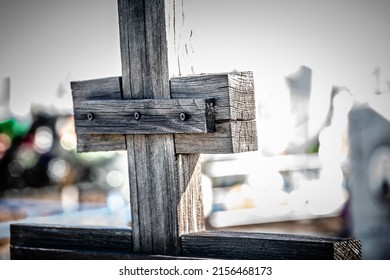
x=137 y=116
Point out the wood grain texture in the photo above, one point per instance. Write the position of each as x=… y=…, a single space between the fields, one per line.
x=234 y=114
x=152 y=169
x=190 y=208
x=153 y=166
x=98 y=89
x=58 y=242
x=229 y=137
x=236 y=245
x=32 y=241
x=180 y=48
x=26 y=253
x=83 y=238
x=100 y=143
x=233 y=93
x=146 y=116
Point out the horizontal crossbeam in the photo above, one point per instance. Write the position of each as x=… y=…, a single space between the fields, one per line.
x=147 y=116
x=234 y=111
x=243 y=245
x=31 y=241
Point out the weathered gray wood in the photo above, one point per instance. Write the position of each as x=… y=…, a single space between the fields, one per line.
x=234 y=114
x=58 y=242
x=236 y=245
x=32 y=241
x=83 y=238
x=233 y=93
x=179 y=37
x=26 y=253
x=229 y=137
x=146 y=116
x=156 y=193
x=190 y=208
x=101 y=142
x=98 y=89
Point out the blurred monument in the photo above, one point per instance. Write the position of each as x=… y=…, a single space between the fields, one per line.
x=5 y=113
x=299 y=84
x=5 y=85
x=369 y=136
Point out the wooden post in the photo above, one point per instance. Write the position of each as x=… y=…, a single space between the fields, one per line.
x=161 y=184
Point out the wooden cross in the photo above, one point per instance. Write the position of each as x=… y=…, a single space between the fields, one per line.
x=164 y=124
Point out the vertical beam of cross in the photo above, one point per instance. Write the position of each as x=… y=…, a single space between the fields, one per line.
x=165 y=188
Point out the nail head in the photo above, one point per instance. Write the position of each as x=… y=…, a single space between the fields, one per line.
x=183 y=116
x=90 y=116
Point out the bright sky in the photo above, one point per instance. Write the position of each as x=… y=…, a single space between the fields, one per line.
x=46 y=42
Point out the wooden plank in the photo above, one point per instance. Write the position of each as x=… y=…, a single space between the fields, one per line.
x=91 y=238
x=135 y=61
x=236 y=245
x=58 y=242
x=234 y=114
x=146 y=116
x=233 y=93
x=98 y=89
x=190 y=208
x=100 y=143
x=26 y=253
x=180 y=48
x=229 y=137
x=33 y=241
x=153 y=165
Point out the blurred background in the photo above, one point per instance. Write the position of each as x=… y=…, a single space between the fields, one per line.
x=322 y=83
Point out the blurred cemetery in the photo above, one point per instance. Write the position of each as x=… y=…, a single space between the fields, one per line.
x=298 y=182
x=323 y=166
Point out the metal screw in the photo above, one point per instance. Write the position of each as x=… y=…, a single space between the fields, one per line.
x=183 y=116
x=90 y=116
x=137 y=116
